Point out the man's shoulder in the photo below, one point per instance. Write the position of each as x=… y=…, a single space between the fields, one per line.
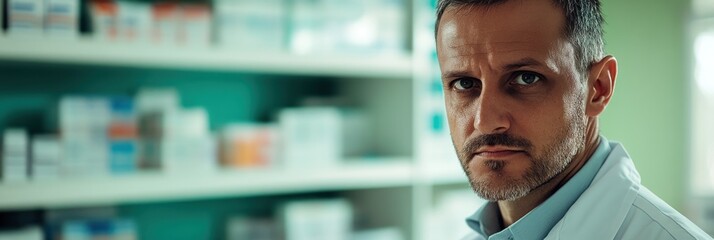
x=651 y=218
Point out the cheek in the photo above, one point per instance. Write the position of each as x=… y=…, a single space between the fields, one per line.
x=460 y=122
x=547 y=121
x=538 y=121
x=575 y=105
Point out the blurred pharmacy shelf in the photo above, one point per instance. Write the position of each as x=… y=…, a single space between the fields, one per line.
x=403 y=97
x=147 y=187
x=87 y=51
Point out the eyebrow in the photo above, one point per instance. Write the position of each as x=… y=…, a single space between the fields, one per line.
x=455 y=74
x=523 y=62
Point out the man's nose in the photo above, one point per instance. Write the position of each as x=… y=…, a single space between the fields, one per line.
x=492 y=115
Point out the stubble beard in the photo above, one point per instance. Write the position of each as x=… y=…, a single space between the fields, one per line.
x=552 y=161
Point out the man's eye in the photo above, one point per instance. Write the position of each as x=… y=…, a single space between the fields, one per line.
x=526 y=78
x=464 y=84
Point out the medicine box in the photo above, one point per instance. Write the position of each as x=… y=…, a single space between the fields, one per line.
x=321 y=136
x=317 y=220
x=105 y=17
x=248 y=25
x=46 y=157
x=62 y=18
x=194 y=25
x=249 y=145
x=15 y=156
x=26 y=17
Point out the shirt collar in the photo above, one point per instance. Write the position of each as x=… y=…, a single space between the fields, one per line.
x=538 y=222
x=487 y=219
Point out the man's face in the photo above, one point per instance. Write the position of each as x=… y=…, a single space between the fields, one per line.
x=514 y=98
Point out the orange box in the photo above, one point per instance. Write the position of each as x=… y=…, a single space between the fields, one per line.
x=249 y=146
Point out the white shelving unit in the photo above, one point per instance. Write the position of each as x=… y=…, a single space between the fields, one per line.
x=365 y=181
x=150 y=187
x=87 y=51
x=147 y=187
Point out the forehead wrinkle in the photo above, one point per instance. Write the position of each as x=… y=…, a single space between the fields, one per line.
x=472 y=49
x=498 y=58
x=520 y=51
x=461 y=67
x=493 y=47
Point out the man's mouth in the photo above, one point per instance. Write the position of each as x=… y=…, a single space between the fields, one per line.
x=498 y=152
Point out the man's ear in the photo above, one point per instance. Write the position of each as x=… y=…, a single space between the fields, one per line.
x=601 y=85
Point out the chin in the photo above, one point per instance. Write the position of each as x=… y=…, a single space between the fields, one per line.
x=495 y=186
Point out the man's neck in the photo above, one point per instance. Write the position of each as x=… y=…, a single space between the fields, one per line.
x=512 y=211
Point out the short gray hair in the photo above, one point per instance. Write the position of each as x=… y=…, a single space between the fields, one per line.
x=583 y=25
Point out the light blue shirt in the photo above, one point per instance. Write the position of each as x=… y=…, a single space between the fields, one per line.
x=538 y=222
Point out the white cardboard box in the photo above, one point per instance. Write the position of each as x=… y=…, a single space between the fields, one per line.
x=15 y=143
x=248 y=25
x=46 y=149
x=317 y=220
x=46 y=157
x=26 y=17
x=14 y=172
x=62 y=18
x=195 y=154
x=321 y=136
x=311 y=137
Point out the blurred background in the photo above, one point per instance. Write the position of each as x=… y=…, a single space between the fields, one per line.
x=294 y=119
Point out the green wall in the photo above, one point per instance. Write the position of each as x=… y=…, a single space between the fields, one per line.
x=648 y=112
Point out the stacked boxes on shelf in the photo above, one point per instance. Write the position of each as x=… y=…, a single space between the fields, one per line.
x=243 y=227
x=194 y=25
x=164 y=23
x=104 y=20
x=296 y=26
x=133 y=20
x=304 y=137
x=46 y=157
x=118 y=135
x=84 y=124
x=62 y=18
x=348 y=26
x=311 y=136
x=119 y=229
x=249 y=145
x=55 y=18
x=321 y=136
x=174 y=139
x=297 y=220
x=122 y=136
x=101 y=135
x=315 y=219
x=25 y=17
x=248 y=25
x=76 y=229
x=152 y=105
x=14 y=157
